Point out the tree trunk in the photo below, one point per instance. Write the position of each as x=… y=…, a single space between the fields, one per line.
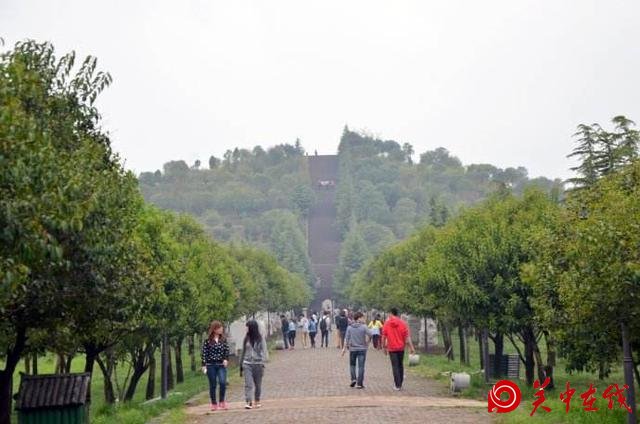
x=529 y=363
x=35 y=364
x=164 y=380
x=133 y=384
x=170 y=381
x=27 y=365
x=485 y=353
x=90 y=359
x=192 y=352
x=602 y=370
x=635 y=370
x=498 y=345
x=542 y=371
x=462 y=335
x=91 y=353
x=627 y=362
x=60 y=361
x=107 y=371
x=480 y=349
x=451 y=354
x=446 y=338
x=6 y=375
x=179 y=368
x=551 y=349
x=467 y=353
x=151 y=382
x=67 y=364
x=140 y=359
x=426 y=336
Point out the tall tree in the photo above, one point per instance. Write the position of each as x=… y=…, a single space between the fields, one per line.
x=53 y=172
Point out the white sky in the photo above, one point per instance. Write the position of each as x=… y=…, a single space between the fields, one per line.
x=502 y=82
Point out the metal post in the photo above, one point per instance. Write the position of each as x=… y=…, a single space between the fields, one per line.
x=628 y=374
x=164 y=366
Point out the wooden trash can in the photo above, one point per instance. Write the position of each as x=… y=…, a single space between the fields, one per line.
x=54 y=398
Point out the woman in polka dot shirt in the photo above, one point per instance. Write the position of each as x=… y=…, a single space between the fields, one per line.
x=215 y=358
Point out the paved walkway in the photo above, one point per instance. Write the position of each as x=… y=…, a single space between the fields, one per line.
x=313 y=384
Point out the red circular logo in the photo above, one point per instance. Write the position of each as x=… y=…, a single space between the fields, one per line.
x=502 y=406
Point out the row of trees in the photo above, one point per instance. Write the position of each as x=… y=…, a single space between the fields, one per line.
x=243 y=198
x=383 y=196
x=86 y=267
x=530 y=268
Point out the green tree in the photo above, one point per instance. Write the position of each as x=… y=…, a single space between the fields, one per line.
x=590 y=268
x=353 y=255
x=56 y=167
x=376 y=237
x=600 y=152
x=408 y=152
x=302 y=199
x=214 y=162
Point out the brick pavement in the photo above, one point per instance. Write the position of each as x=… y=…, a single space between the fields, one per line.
x=313 y=384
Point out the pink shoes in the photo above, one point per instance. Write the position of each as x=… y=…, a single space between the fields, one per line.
x=223 y=406
x=214 y=406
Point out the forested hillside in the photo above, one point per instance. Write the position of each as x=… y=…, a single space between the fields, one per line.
x=262 y=196
x=384 y=196
x=258 y=196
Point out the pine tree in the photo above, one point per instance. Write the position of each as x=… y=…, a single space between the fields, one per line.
x=586 y=152
x=626 y=139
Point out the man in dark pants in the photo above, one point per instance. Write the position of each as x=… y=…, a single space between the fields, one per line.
x=395 y=335
x=285 y=331
x=357 y=342
x=325 y=325
x=342 y=322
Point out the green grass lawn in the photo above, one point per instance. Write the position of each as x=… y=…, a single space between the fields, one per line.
x=438 y=367
x=134 y=412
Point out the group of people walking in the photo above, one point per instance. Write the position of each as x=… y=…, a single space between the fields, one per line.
x=215 y=361
x=308 y=328
x=354 y=336
x=392 y=337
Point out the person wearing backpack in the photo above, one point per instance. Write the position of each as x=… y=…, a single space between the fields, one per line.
x=313 y=330
x=342 y=323
x=325 y=324
x=292 y=333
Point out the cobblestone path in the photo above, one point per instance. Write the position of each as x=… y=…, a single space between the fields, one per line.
x=312 y=385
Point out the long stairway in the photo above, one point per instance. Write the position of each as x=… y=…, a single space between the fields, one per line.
x=324 y=239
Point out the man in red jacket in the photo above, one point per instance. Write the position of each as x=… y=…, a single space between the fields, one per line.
x=395 y=334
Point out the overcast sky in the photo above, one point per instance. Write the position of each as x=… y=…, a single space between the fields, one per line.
x=501 y=82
